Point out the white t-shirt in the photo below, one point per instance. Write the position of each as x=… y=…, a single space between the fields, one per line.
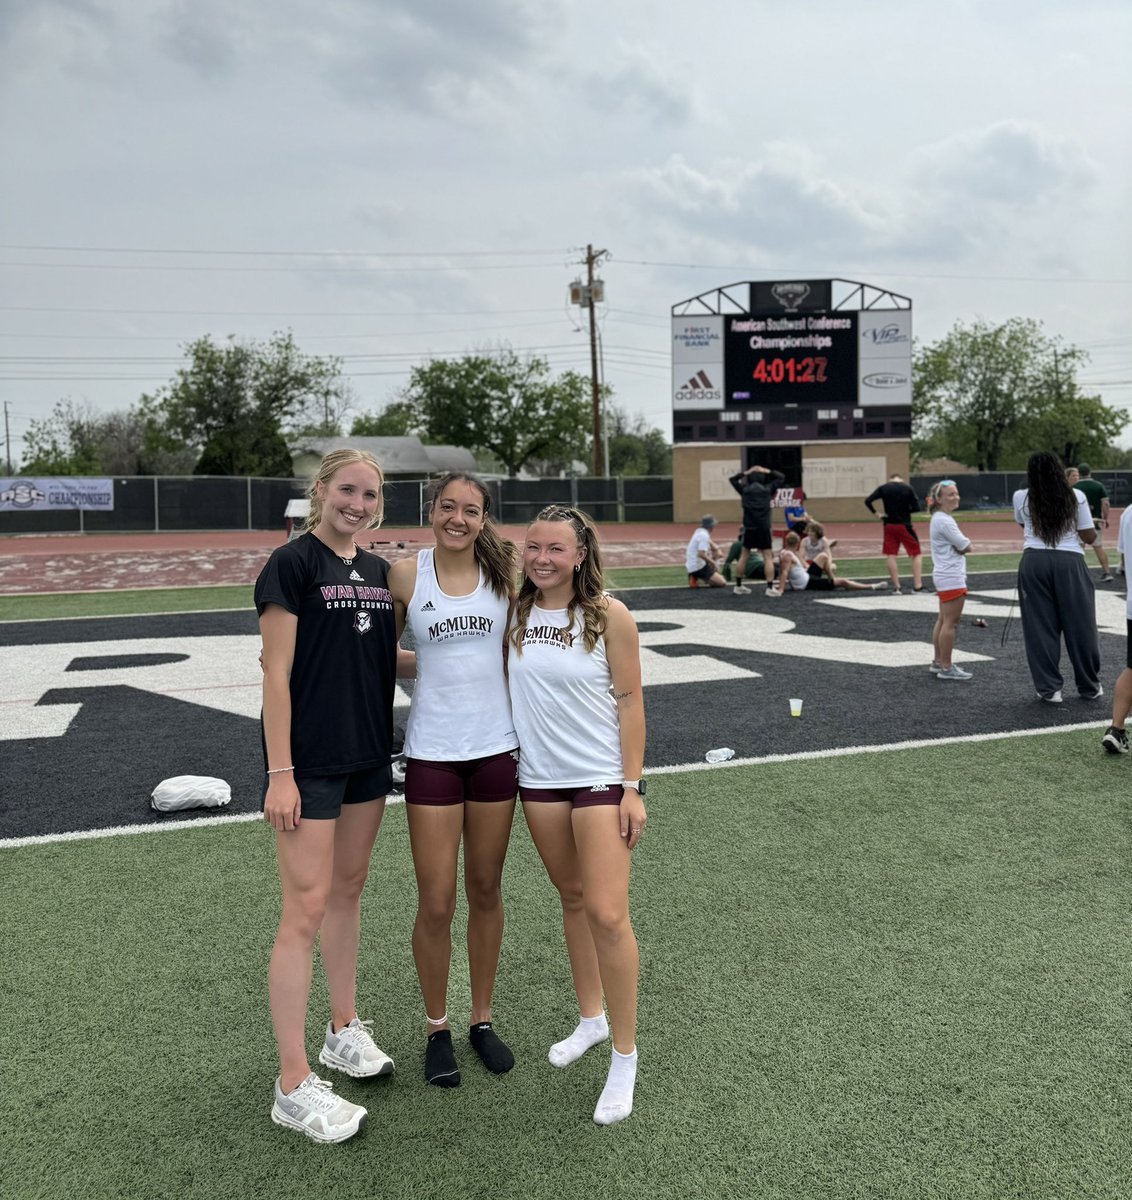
x=1069 y=540
x=1124 y=545
x=569 y=733
x=949 y=565
x=701 y=540
x=461 y=709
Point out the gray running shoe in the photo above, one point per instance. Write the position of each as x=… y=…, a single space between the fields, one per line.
x=935 y=668
x=315 y=1109
x=352 y=1050
x=953 y=672
x=1115 y=741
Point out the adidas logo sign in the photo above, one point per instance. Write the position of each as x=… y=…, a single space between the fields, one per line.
x=699 y=387
x=355 y=575
x=428 y=606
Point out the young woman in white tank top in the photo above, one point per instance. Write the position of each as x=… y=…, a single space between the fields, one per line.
x=574 y=669
x=461 y=748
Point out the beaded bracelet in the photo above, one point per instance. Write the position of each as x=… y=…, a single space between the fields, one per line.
x=280 y=770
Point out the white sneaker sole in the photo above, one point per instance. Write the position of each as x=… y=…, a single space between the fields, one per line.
x=344 y=1132
x=383 y=1067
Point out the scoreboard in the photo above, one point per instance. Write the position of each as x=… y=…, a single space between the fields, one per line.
x=794 y=366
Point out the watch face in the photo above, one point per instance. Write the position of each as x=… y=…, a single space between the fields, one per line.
x=641 y=787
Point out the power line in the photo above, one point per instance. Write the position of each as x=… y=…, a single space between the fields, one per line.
x=558 y=252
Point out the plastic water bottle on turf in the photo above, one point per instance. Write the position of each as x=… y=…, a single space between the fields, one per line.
x=720 y=755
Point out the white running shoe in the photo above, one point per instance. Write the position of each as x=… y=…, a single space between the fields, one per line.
x=952 y=672
x=315 y=1109
x=1052 y=698
x=740 y=590
x=353 y=1050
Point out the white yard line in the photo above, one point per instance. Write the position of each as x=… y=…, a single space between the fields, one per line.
x=803 y=756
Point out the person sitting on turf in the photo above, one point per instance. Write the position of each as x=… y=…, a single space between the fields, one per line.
x=815 y=543
x=703 y=554
x=754 y=563
x=817 y=577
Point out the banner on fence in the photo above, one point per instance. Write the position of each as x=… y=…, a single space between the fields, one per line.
x=40 y=495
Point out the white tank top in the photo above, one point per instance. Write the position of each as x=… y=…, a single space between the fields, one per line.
x=461 y=709
x=565 y=714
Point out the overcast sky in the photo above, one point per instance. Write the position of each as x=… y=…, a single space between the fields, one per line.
x=394 y=179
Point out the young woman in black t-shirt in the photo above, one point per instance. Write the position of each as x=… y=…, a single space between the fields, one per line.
x=329 y=659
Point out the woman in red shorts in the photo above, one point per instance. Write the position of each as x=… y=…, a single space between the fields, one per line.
x=949 y=574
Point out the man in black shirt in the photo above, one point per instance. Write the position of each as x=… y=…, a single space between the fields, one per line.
x=900 y=502
x=756 y=495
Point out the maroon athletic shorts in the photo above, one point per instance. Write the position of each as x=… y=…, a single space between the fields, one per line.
x=491 y=779
x=601 y=793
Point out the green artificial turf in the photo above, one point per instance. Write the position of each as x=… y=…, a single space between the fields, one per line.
x=897 y=974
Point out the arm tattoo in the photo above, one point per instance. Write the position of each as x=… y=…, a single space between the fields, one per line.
x=619 y=696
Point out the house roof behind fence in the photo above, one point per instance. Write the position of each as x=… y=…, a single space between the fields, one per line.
x=397 y=455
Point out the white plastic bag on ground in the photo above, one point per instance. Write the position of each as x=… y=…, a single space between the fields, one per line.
x=190 y=791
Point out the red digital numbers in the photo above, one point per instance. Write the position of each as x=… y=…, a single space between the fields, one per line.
x=791 y=370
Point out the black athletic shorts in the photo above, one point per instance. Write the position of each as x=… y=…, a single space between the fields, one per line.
x=757 y=537
x=323 y=796
x=819 y=580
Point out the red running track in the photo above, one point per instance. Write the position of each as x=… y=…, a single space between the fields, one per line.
x=106 y=561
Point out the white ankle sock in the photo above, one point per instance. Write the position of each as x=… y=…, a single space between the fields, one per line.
x=616 y=1100
x=589 y=1032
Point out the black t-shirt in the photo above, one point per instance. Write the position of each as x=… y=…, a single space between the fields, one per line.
x=899 y=502
x=345 y=665
x=756 y=494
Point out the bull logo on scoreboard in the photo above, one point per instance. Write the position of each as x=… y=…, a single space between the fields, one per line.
x=790 y=295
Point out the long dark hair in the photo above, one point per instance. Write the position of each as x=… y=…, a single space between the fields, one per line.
x=589 y=584
x=1053 y=507
x=495 y=555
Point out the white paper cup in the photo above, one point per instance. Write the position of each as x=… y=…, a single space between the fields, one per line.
x=795 y=708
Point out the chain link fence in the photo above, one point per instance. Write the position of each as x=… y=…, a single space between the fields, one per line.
x=208 y=502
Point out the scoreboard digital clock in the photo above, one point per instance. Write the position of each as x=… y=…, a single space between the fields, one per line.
x=810 y=369
x=802 y=358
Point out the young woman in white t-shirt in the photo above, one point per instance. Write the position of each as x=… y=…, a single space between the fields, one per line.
x=950 y=547
x=1055 y=594
x=574 y=669
x=461 y=750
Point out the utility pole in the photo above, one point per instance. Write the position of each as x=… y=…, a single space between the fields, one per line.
x=587 y=297
x=7 y=439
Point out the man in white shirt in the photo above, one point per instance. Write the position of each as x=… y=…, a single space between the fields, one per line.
x=702 y=556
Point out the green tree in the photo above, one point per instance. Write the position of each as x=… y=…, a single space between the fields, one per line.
x=502 y=404
x=78 y=440
x=235 y=403
x=64 y=443
x=635 y=447
x=986 y=395
x=396 y=419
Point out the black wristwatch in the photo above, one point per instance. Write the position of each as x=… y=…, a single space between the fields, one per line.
x=637 y=785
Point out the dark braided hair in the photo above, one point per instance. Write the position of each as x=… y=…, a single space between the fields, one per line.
x=1052 y=505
